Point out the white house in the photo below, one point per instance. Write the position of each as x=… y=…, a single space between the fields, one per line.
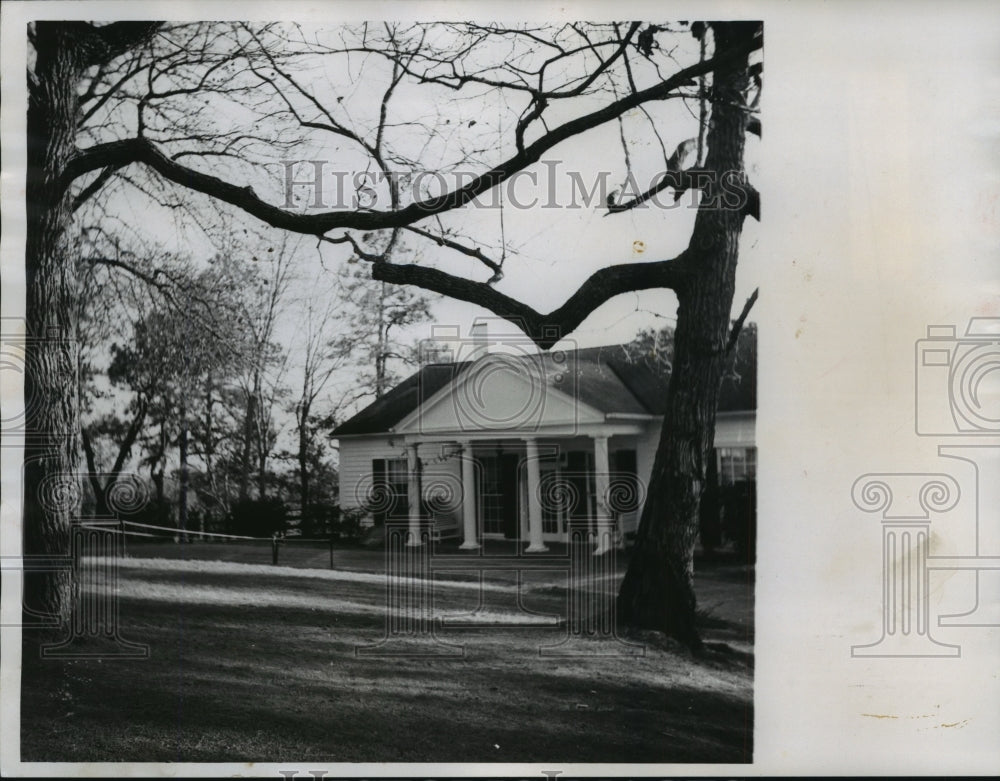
x=514 y=445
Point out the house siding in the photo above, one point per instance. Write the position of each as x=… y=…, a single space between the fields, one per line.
x=356 y=455
x=731 y=430
x=442 y=475
x=735 y=430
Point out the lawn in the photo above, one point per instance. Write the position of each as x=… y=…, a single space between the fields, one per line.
x=251 y=662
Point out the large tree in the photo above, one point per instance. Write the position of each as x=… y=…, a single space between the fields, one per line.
x=550 y=85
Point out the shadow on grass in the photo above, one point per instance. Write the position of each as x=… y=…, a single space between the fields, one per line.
x=246 y=682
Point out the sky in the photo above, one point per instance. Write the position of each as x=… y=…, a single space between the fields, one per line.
x=553 y=250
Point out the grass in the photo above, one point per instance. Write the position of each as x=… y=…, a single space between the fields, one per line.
x=251 y=662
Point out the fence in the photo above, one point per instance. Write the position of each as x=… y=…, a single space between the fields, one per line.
x=95 y=549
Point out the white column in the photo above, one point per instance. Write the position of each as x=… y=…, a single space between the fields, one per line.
x=413 y=493
x=602 y=471
x=468 y=498
x=535 y=543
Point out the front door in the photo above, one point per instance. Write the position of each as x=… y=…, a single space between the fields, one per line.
x=498 y=499
x=508 y=493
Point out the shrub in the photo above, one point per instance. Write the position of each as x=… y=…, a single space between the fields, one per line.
x=740 y=508
x=258 y=517
x=350 y=526
x=319 y=519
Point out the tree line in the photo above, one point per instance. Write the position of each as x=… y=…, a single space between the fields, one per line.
x=188 y=384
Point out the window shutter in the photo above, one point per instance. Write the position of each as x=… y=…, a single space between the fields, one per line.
x=379 y=485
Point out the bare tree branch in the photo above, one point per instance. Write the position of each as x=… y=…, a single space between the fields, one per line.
x=140 y=150
x=734 y=334
x=476 y=253
x=544 y=329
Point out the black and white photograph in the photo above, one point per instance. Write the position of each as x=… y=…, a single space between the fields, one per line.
x=349 y=490
x=380 y=389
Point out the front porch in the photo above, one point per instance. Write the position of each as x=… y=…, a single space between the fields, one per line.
x=529 y=490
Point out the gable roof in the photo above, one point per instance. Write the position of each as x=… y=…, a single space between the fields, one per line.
x=611 y=379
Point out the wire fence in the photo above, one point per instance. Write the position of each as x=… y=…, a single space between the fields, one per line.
x=187 y=543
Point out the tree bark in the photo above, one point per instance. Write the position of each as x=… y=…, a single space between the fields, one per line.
x=51 y=484
x=101 y=492
x=245 y=458
x=209 y=448
x=51 y=487
x=658 y=589
x=100 y=495
x=182 y=494
x=304 y=409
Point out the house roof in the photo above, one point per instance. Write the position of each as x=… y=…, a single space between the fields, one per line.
x=612 y=379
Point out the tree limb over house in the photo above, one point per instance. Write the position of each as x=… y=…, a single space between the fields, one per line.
x=150 y=134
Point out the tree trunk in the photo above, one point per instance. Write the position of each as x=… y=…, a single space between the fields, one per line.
x=101 y=508
x=102 y=492
x=380 y=345
x=51 y=486
x=261 y=474
x=157 y=475
x=658 y=589
x=248 y=429
x=209 y=451
x=303 y=457
x=182 y=496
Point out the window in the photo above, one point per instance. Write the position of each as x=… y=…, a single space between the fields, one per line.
x=736 y=464
x=390 y=474
x=497 y=492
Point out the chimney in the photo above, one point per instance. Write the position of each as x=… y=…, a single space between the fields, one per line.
x=480 y=340
x=429 y=352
